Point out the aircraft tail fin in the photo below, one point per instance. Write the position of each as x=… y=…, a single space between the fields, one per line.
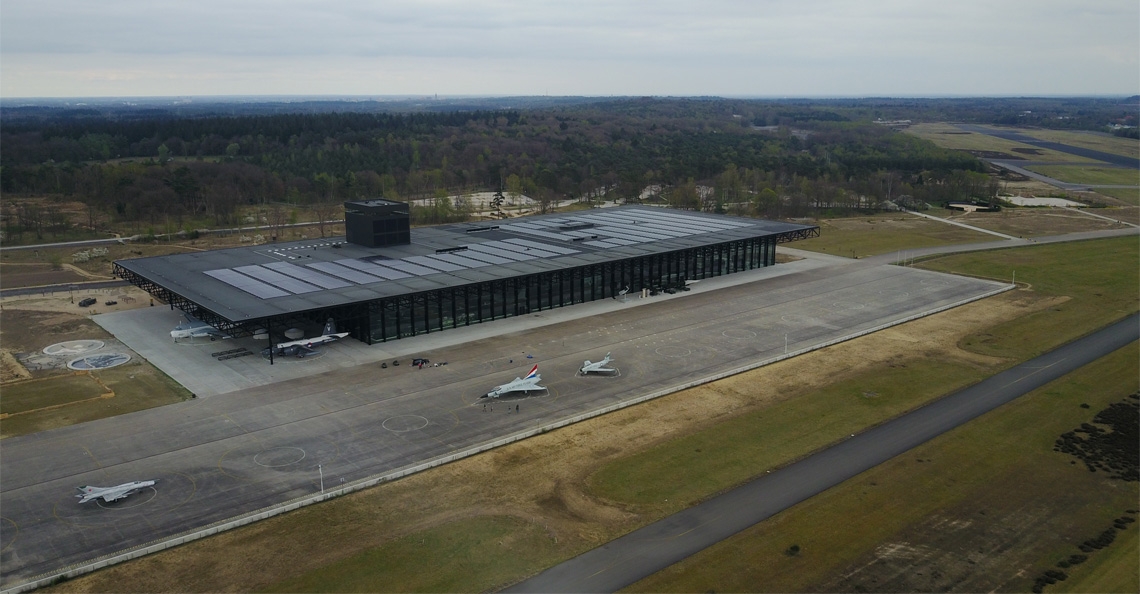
x=330 y=327
x=533 y=372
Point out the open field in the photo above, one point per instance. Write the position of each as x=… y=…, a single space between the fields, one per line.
x=445 y=558
x=30 y=323
x=1126 y=214
x=1028 y=222
x=1097 y=281
x=949 y=515
x=1089 y=175
x=35 y=275
x=885 y=233
x=541 y=482
x=131 y=387
x=689 y=468
x=1097 y=141
x=27 y=396
x=1126 y=195
x=982 y=145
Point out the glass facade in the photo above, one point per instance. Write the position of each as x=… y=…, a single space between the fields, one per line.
x=433 y=311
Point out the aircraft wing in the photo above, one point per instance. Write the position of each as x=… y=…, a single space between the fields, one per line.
x=115 y=495
x=308 y=342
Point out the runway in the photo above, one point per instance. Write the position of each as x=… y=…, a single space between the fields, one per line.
x=230 y=454
x=648 y=550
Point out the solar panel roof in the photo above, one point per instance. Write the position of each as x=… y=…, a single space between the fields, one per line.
x=254 y=282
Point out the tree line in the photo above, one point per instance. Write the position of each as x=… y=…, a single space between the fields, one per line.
x=199 y=169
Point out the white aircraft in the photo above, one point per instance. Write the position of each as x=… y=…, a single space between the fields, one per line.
x=195 y=328
x=520 y=384
x=304 y=346
x=599 y=367
x=110 y=494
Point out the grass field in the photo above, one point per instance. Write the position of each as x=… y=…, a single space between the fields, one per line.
x=136 y=386
x=1106 y=143
x=1117 y=176
x=469 y=555
x=26 y=396
x=1128 y=195
x=690 y=468
x=1100 y=278
x=950 y=137
x=881 y=234
x=950 y=514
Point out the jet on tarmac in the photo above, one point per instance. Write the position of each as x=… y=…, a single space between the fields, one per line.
x=195 y=328
x=599 y=367
x=110 y=494
x=304 y=347
x=520 y=384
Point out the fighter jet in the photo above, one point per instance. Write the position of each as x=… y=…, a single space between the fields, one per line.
x=599 y=367
x=520 y=384
x=304 y=347
x=110 y=494
x=195 y=328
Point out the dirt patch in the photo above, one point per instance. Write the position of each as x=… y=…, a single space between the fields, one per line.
x=957 y=555
x=11 y=370
x=36 y=275
x=541 y=479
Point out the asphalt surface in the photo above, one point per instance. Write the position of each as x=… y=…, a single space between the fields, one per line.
x=1119 y=160
x=646 y=551
x=222 y=456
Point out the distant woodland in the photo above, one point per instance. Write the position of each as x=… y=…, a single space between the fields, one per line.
x=201 y=166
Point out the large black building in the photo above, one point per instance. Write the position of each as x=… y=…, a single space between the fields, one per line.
x=387 y=283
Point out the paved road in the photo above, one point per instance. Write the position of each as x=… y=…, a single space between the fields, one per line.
x=646 y=551
x=226 y=455
x=81 y=286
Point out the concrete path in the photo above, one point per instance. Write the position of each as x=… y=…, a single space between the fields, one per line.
x=958 y=224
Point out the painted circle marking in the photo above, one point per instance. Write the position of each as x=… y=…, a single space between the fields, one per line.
x=277 y=457
x=73 y=347
x=12 y=534
x=797 y=319
x=847 y=305
x=104 y=361
x=130 y=501
x=738 y=333
x=404 y=423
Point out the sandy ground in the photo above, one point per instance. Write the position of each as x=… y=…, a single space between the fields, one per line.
x=542 y=480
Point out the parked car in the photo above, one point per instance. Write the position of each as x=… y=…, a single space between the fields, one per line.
x=110 y=302
x=88 y=302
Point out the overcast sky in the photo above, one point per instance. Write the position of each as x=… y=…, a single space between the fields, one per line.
x=771 y=48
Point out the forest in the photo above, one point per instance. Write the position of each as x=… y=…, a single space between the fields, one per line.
x=144 y=164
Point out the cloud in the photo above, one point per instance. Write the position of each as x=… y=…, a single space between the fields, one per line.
x=585 y=47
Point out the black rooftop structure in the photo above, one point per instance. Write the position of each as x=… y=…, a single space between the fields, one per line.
x=377 y=223
x=453 y=275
